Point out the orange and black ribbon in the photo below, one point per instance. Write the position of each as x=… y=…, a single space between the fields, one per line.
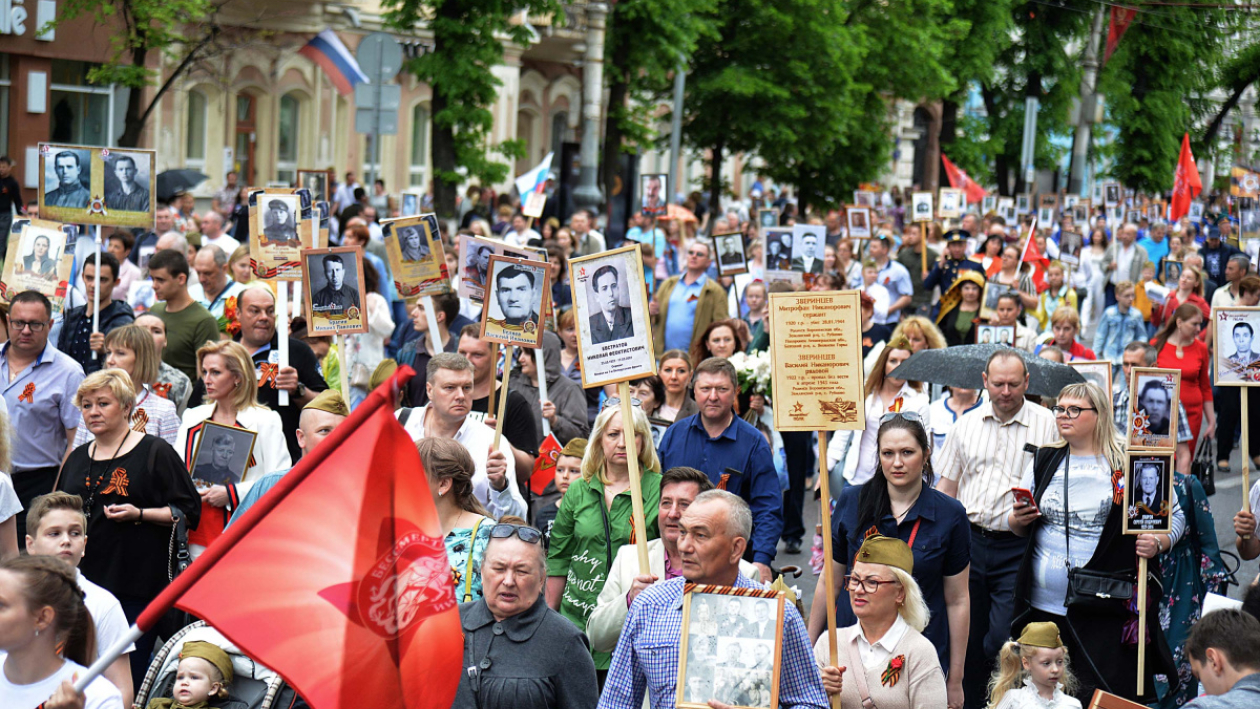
x=28 y=394
x=268 y=371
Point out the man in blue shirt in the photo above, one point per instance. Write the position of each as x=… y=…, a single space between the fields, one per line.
x=1224 y=653
x=1155 y=243
x=734 y=455
x=686 y=304
x=892 y=276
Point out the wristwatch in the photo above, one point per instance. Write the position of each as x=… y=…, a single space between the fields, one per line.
x=301 y=390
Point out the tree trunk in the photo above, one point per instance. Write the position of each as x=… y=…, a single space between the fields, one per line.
x=610 y=168
x=1209 y=136
x=949 y=122
x=443 y=144
x=715 y=182
x=133 y=126
x=1000 y=166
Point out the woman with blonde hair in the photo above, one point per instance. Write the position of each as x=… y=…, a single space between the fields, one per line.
x=239 y=266
x=465 y=523
x=227 y=371
x=131 y=348
x=594 y=517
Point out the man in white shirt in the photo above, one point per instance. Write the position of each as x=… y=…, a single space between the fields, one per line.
x=1123 y=261
x=344 y=196
x=212 y=233
x=449 y=386
x=586 y=240
x=211 y=265
x=520 y=234
x=1235 y=270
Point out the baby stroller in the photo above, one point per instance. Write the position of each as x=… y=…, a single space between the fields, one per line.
x=253 y=687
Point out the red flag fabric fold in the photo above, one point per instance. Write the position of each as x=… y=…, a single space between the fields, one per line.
x=1186 y=182
x=1121 y=18
x=958 y=179
x=545 y=464
x=1032 y=254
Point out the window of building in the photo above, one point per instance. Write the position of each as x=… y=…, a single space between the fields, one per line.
x=287 y=154
x=195 y=143
x=419 y=146
x=559 y=131
x=82 y=113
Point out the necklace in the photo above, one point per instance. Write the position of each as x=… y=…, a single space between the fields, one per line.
x=94 y=486
x=906 y=511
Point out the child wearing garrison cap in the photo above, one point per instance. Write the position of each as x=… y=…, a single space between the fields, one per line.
x=204 y=673
x=1033 y=672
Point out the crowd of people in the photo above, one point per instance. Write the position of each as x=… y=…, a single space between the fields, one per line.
x=950 y=592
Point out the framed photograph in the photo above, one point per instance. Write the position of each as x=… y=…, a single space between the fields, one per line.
x=316 y=182
x=1070 y=201
x=1023 y=203
x=988 y=204
x=513 y=313
x=614 y=334
x=952 y=203
x=1045 y=215
x=1196 y=212
x=1237 y=351
x=777 y=247
x=808 y=241
x=1081 y=211
x=334 y=294
x=1048 y=199
x=1112 y=194
x=534 y=204
x=1095 y=372
x=654 y=194
x=80 y=184
x=279 y=228
x=410 y=205
x=474 y=262
x=323 y=214
x=995 y=335
x=731 y=259
x=921 y=207
x=416 y=258
x=1132 y=216
x=1171 y=274
x=1148 y=492
x=1153 y=398
x=1096 y=193
x=988 y=304
x=1249 y=223
x=221 y=456
x=1070 y=245
x=859 y=219
x=1006 y=208
x=865 y=198
x=731 y=645
x=40 y=258
x=768 y=217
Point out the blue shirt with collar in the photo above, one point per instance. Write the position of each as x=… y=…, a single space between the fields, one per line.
x=1245 y=694
x=743 y=453
x=680 y=320
x=942 y=547
x=41 y=406
x=1154 y=251
x=646 y=659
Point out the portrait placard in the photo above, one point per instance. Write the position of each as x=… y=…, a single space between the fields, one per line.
x=1248 y=223
x=1172 y=269
x=865 y=198
x=1070 y=201
x=952 y=203
x=921 y=207
x=859 y=221
x=730 y=649
x=1045 y=215
x=416 y=258
x=1237 y=351
x=1095 y=372
x=323 y=212
x=40 y=258
x=808 y=241
x=80 y=184
x=513 y=312
x=1023 y=203
x=654 y=194
x=1148 y=492
x=534 y=204
x=731 y=259
x=815 y=347
x=610 y=299
x=1070 y=245
x=1096 y=193
x=474 y=262
x=1196 y=212
x=988 y=303
x=995 y=335
x=334 y=297
x=410 y=204
x=988 y=204
x=1153 y=398
x=777 y=247
x=279 y=228
x=222 y=455
x=316 y=182
x=768 y=217
x=1006 y=208
x=1048 y=199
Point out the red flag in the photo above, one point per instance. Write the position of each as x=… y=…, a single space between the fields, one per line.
x=1032 y=254
x=959 y=180
x=338 y=579
x=1121 y=18
x=545 y=464
x=1186 y=182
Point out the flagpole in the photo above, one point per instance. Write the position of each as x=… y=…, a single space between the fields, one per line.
x=166 y=600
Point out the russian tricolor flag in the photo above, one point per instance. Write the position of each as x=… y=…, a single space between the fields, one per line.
x=326 y=50
x=536 y=179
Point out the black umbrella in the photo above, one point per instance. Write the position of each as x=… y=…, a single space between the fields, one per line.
x=172 y=182
x=963 y=365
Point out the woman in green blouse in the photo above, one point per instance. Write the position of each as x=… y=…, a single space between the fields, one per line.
x=594 y=518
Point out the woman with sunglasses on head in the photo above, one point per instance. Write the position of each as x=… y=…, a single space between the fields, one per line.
x=465 y=523
x=1076 y=523
x=519 y=653
x=594 y=517
x=900 y=502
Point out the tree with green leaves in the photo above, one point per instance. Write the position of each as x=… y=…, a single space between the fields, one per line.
x=468 y=42
x=179 y=29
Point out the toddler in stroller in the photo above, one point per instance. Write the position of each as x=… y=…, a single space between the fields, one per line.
x=203 y=673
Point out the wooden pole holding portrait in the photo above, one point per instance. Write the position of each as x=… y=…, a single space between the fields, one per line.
x=816 y=357
x=922 y=214
x=1237 y=354
x=615 y=346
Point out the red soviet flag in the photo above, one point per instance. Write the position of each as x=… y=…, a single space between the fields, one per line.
x=339 y=579
x=1032 y=254
x=959 y=180
x=1186 y=182
x=545 y=464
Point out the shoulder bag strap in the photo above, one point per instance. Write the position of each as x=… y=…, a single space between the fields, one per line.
x=468 y=567
x=1067 y=535
x=859 y=672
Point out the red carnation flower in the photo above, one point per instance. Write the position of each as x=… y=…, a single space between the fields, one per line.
x=898 y=662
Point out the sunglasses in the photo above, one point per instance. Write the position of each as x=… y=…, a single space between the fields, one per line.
x=616 y=401
x=907 y=415
x=527 y=534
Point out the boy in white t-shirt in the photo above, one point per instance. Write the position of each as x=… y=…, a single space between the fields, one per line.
x=56 y=526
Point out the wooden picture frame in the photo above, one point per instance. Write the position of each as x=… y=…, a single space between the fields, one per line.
x=45 y=268
x=858 y=221
x=1023 y=203
x=1105 y=700
x=613 y=327
x=527 y=285
x=95 y=189
x=474 y=261
x=1048 y=199
x=316 y=182
x=654 y=194
x=214 y=471
x=1096 y=371
x=729 y=254
x=988 y=204
x=1149 y=427
x=1145 y=514
x=921 y=207
x=952 y=203
x=1235 y=328
x=731 y=646
x=988 y=299
x=815 y=347
x=334 y=307
x=417 y=260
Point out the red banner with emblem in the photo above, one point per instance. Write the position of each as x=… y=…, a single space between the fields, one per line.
x=350 y=597
x=545 y=464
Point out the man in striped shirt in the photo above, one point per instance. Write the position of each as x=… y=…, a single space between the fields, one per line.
x=982 y=459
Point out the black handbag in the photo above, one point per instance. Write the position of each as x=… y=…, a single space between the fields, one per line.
x=1089 y=590
x=1204 y=465
x=178 y=557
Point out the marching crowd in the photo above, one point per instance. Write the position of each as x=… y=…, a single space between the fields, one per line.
x=950 y=592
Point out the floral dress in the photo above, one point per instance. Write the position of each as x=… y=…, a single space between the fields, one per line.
x=1189 y=570
x=466 y=554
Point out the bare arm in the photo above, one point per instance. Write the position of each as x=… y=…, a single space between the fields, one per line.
x=555 y=589
x=948 y=487
x=958 y=610
x=70 y=432
x=818 y=608
x=898 y=304
x=8 y=538
x=119 y=672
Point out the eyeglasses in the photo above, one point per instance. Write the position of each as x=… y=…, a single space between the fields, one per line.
x=526 y=534
x=868 y=584
x=1071 y=411
x=34 y=325
x=907 y=415
x=616 y=401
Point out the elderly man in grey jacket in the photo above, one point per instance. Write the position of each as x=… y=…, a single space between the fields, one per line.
x=1224 y=652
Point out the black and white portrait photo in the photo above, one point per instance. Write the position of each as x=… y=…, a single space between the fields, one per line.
x=1153 y=406
x=1111 y=194
x=279 y=217
x=988 y=204
x=611 y=308
x=316 y=181
x=1237 y=350
x=335 y=293
x=222 y=455
x=952 y=203
x=68 y=179
x=127 y=183
x=807 y=248
x=654 y=193
x=1070 y=245
x=1006 y=209
x=768 y=218
x=417 y=262
x=1095 y=372
x=732 y=647
x=413 y=243
x=988 y=303
x=859 y=219
x=995 y=334
x=1148 y=492
x=512 y=315
x=1023 y=203
x=1070 y=201
x=609 y=320
x=777 y=248
x=1045 y=215
x=866 y=198
x=731 y=260
x=921 y=207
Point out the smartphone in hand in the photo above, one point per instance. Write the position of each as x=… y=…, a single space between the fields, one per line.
x=1025 y=496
